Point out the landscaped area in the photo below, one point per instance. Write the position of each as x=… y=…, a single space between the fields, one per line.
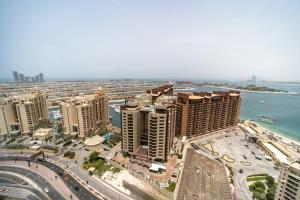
x=171 y=186
x=227 y=158
x=263 y=186
x=246 y=163
x=99 y=165
x=210 y=148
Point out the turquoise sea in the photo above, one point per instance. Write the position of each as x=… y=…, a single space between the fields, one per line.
x=285 y=108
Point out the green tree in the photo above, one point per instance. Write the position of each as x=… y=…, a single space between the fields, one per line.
x=270 y=181
x=93 y=156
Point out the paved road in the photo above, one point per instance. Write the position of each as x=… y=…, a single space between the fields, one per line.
x=14 y=191
x=43 y=184
x=108 y=191
x=80 y=191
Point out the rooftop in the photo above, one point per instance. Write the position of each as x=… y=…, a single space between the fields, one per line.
x=203 y=178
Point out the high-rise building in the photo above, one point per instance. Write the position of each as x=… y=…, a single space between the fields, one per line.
x=21 y=77
x=201 y=113
x=83 y=114
x=20 y=114
x=30 y=109
x=148 y=129
x=36 y=78
x=254 y=79
x=16 y=76
x=41 y=77
x=289 y=182
x=8 y=119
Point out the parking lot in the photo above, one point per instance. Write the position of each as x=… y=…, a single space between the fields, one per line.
x=243 y=157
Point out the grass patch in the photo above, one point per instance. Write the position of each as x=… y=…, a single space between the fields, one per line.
x=100 y=165
x=171 y=186
x=256 y=178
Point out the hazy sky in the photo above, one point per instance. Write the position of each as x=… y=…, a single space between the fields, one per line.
x=151 y=39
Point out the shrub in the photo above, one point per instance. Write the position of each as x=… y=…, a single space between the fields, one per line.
x=69 y=154
x=93 y=156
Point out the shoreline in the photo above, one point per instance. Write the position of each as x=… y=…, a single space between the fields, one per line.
x=243 y=90
x=278 y=135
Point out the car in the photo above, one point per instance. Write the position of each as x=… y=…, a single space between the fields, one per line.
x=87 y=149
x=74 y=145
x=76 y=187
x=60 y=174
x=46 y=190
x=241 y=171
x=244 y=156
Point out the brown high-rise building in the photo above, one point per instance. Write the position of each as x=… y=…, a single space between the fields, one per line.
x=201 y=113
x=148 y=128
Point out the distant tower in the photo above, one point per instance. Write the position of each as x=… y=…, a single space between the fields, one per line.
x=21 y=77
x=41 y=75
x=254 y=79
x=37 y=78
x=16 y=76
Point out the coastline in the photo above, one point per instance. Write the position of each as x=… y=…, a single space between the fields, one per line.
x=243 y=90
x=277 y=134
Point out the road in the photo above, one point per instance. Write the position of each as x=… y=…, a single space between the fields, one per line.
x=107 y=191
x=102 y=187
x=41 y=182
x=80 y=191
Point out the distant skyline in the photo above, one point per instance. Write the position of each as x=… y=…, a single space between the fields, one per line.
x=227 y=40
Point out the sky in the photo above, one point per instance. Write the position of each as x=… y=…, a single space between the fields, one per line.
x=224 y=40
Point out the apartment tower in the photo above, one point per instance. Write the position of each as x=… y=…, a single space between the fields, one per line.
x=30 y=109
x=8 y=118
x=148 y=129
x=83 y=114
x=288 y=187
x=201 y=113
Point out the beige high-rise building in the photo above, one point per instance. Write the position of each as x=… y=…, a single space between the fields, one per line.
x=288 y=187
x=30 y=109
x=148 y=129
x=8 y=118
x=83 y=114
x=201 y=113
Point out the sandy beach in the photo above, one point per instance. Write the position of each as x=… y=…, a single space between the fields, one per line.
x=277 y=135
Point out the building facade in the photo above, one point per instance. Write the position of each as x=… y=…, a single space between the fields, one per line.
x=83 y=114
x=148 y=129
x=20 y=114
x=8 y=119
x=288 y=187
x=30 y=109
x=201 y=113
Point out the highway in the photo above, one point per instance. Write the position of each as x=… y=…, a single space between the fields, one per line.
x=81 y=192
x=41 y=182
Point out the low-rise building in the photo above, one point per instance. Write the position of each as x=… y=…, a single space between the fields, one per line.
x=43 y=134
